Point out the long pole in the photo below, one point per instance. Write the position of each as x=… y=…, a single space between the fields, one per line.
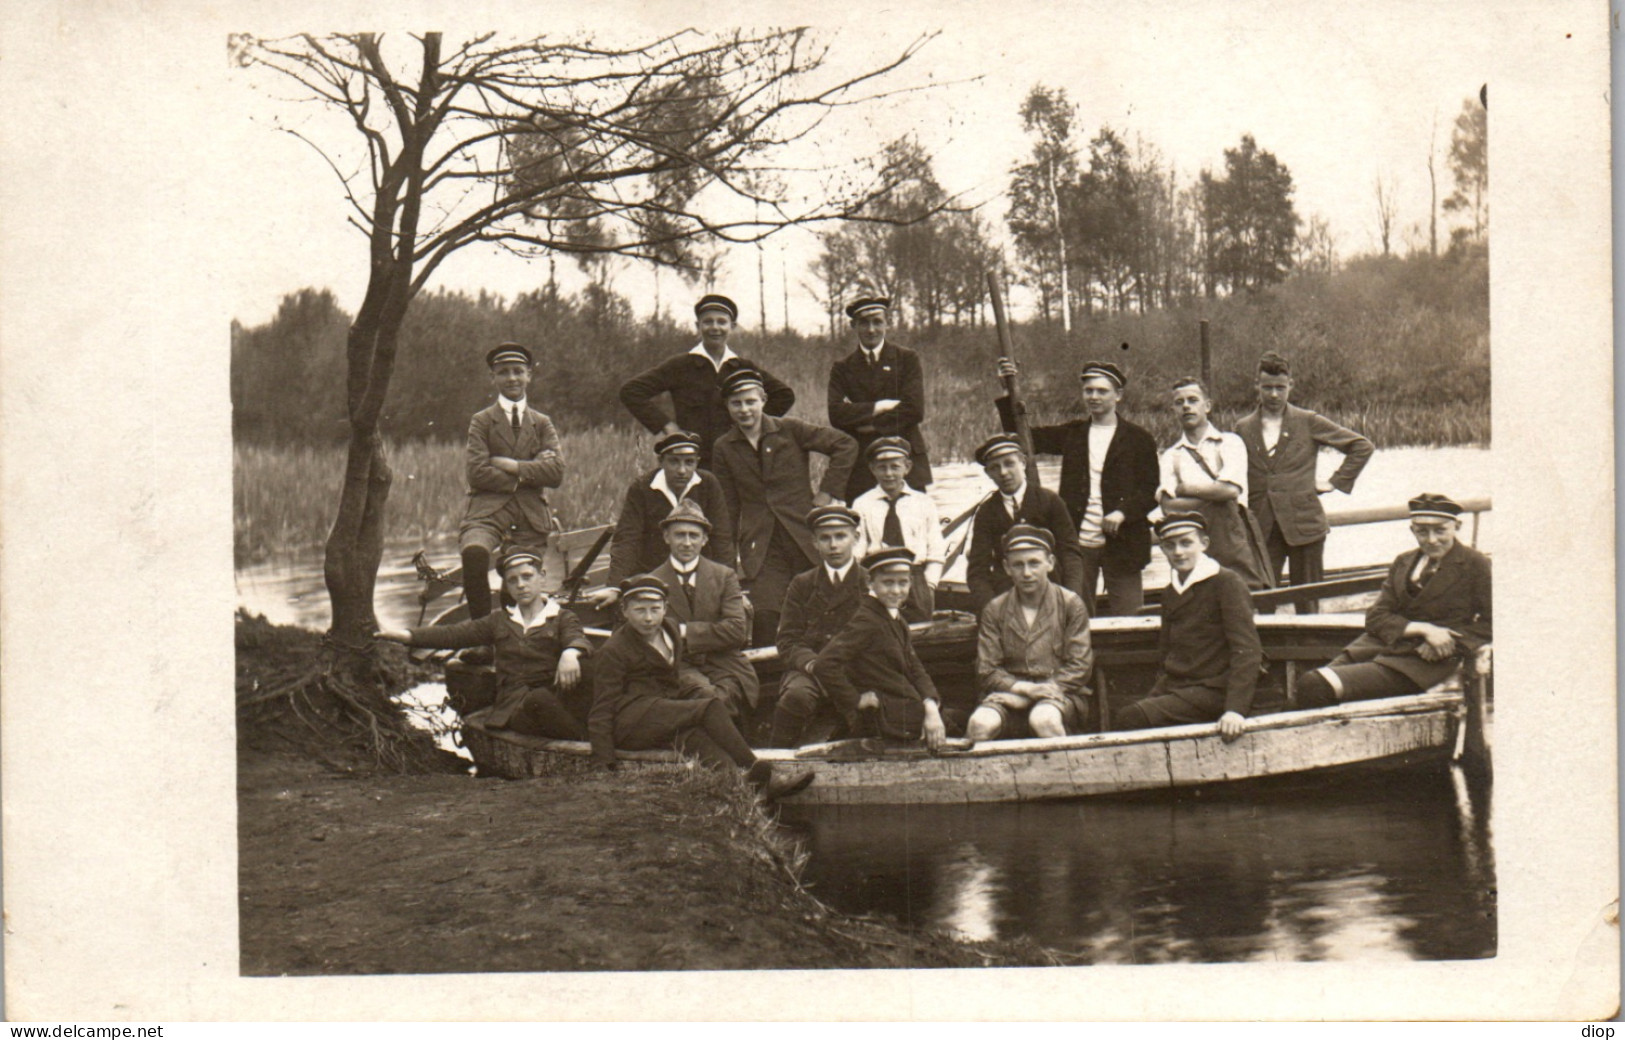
x=1207 y=360
x=1018 y=407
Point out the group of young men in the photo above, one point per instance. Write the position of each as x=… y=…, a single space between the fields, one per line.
x=726 y=544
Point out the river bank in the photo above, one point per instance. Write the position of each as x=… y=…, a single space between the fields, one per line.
x=344 y=868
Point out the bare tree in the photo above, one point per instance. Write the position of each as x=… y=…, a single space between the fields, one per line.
x=1385 y=213
x=543 y=146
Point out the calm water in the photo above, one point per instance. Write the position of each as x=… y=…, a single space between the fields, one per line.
x=1325 y=870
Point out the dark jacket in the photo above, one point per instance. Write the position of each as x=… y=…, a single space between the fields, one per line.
x=696 y=399
x=814 y=611
x=1456 y=597
x=1209 y=641
x=716 y=624
x=490 y=433
x=774 y=482
x=639 y=545
x=874 y=653
x=628 y=676
x=984 y=563
x=854 y=387
x=523 y=659
x=1128 y=479
x=1281 y=484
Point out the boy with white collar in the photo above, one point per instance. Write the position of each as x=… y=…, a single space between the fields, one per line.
x=1209 y=643
x=539 y=647
x=895 y=514
x=513 y=453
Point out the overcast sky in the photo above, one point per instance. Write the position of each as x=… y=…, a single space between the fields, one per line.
x=1341 y=94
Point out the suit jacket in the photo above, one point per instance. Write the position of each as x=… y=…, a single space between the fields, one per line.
x=984 y=563
x=1456 y=597
x=1054 y=648
x=696 y=398
x=1209 y=641
x=1281 y=484
x=815 y=610
x=628 y=677
x=773 y=482
x=523 y=659
x=1128 y=479
x=854 y=387
x=716 y=624
x=639 y=546
x=874 y=652
x=490 y=433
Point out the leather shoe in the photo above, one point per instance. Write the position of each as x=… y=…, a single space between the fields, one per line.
x=786 y=782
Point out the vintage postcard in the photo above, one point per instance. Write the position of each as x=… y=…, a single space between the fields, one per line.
x=646 y=356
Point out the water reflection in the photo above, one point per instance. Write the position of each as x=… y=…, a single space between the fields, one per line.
x=1334 y=870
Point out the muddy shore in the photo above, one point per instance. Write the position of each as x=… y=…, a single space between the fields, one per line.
x=349 y=868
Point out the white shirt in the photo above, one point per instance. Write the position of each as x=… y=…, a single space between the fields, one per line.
x=512 y=408
x=1012 y=503
x=727 y=355
x=1205 y=568
x=683 y=571
x=838 y=576
x=1272 y=431
x=550 y=607
x=1224 y=453
x=662 y=485
x=921 y=523
x=1090 y=534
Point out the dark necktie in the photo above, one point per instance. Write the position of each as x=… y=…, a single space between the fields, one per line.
x=687 y=581
x=892 y=532
x=514 y=412
x=1428 y=570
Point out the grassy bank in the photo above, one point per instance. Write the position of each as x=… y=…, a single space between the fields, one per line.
x=346 y=869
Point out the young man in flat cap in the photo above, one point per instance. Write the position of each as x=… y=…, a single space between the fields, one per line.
x=1211 y=654
x=513 y=454
x=817 y=605
x=1283 y=441
x=1033 y=654
x=870 y=669
x=709 y=608
x=1434 y=609
x=639 y=545
x=767 y=483
x=1108 y=481
x=1015 y=502
x=878 y=390
x=693 y=381
x=1205 y=471
x=896 y=514
x=640 y=701
x=539 y=646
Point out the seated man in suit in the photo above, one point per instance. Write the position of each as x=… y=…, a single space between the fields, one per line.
x=513 y=453
x=639 y=545
x=1434 y=608
x=766 y=481
x=539 y=647
x=1015 y=502
x=709 y=610
x=817 y=605
x=639 y=701
x=896 y=514
x=870 y=668
x=1032 y=648
x=1209 y=643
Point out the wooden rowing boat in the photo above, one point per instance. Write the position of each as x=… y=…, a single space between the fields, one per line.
x=1281 y=740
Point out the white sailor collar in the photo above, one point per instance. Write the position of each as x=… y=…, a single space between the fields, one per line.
x=727 y=355
x=550 y=609
x=1206 y=567
x=662 y=485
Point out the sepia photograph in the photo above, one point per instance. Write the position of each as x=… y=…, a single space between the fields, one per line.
x=786 y=490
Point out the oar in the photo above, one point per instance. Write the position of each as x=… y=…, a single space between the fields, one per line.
x=571 y=586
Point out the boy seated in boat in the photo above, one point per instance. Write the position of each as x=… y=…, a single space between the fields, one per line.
x=638 y=545
x=1015 y=502
x=513 y=454
x=895 y=514
x=870 y=669
x=643 y=701
x=1434 y=608
x=709 y=609
x=539 y=647
x=1032 y=648
x=817 y=606
x=1209 y=644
